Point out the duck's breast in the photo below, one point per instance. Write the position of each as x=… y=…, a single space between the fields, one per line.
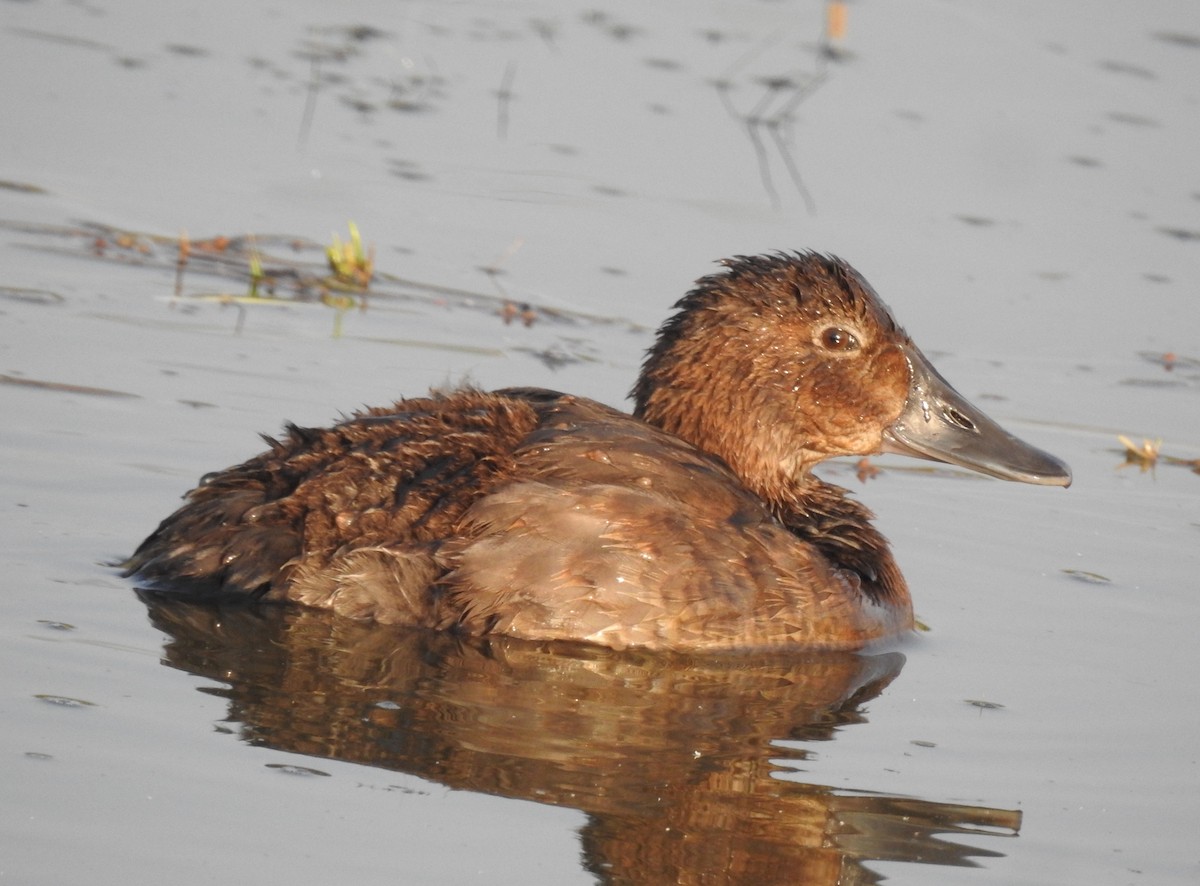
x=614 y=532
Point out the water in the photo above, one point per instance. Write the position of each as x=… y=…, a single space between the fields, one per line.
x=1017 y=181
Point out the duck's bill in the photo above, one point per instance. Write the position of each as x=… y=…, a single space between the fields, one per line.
x=938 y=423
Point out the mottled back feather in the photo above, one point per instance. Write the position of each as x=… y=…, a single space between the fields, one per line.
x=390 y=476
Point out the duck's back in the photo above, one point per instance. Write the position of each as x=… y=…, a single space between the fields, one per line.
x=390 y=476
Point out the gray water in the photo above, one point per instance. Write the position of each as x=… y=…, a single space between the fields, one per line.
x=1018 y=181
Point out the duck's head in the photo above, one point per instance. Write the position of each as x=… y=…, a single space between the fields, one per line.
x=782 y=361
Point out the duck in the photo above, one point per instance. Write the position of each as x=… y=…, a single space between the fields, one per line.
x=694 y=524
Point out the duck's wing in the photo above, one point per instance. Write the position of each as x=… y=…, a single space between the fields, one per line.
x=397 y=477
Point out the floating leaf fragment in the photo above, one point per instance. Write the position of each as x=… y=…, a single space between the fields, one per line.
x=65 y=701
x=984 y=705
x=62 y=387
x=525 y=312
x=865 y=470
x=1144 y=456
x=1093 y=578
x=20 y=187
x=56 y=625
x=293 y=769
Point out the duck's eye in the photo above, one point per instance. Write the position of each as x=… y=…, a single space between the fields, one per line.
x=837 y=339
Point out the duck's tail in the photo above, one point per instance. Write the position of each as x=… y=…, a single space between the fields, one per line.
x=207 y=549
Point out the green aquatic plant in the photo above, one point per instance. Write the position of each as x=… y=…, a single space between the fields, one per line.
x=257 y=274
x=351 y=264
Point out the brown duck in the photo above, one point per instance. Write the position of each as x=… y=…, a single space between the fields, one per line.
x=695 y=523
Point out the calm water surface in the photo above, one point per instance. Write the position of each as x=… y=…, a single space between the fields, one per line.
x=1018 y=182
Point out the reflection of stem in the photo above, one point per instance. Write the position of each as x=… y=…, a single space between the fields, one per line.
x=749 y=55
x=764 y=165
x=310 y=102
x=789 y=162
x=759 y=117
x=494 y=270
x=803 y=92
x=341 y=303
x=241 y=318
x=503 y=98
x=180 y=265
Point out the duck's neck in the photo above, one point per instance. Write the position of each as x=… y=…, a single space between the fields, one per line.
x=817 y=512
x=840 y=528
x=766 y=448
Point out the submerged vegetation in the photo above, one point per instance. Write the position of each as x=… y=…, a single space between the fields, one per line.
x=253 y=271
x=272 y=281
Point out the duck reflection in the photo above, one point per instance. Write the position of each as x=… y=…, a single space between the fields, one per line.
x=673 y=758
